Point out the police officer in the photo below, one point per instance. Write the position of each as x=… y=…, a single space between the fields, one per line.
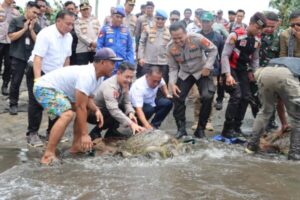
x=191 y=58
x=153 y=45
x=144 y=20
x=280 y=78
x=7 y=13
x=130 y=19
x=42 y=19
x=87 y=31
x=117 y=37
x=290 y=38
x=112 y=99
x=240 y=57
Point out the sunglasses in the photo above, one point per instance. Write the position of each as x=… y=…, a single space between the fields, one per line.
x=174 y=20
x=295 y=24
x=160 y=18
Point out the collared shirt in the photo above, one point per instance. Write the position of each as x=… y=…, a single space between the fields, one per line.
x=153 y=46
x=70 y=79
x=130 y=22
x=197 y=53
x=110 y=96
x=87 y=31
x=6 y=14
x=284 y=44
x=193 y=28
x=141 y=93
x=53 y=47
x=43 y=21
x=22 y=47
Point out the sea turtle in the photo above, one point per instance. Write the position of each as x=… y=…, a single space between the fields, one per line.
x=276 y=142
x=149 y=143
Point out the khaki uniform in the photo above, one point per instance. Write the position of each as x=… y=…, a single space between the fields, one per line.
x=273 y=82
x=87 y=31
x=109 y=97
x=6 y=16
x=141 y=23
x=130 y=22
x=43 y=21
x=284 y=44
x=153 y=45
x=191 y=59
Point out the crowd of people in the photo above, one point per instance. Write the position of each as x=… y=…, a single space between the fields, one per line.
x=134 y=69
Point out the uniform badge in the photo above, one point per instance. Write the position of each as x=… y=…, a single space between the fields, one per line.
x=110 y=40
x=100 y=34
x=205 y=42
x=243 y=43
x=116 y=94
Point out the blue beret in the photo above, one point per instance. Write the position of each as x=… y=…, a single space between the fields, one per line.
x=120 y=11
x=161 y=13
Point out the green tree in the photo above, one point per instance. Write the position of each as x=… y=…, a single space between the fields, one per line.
x=285 y=7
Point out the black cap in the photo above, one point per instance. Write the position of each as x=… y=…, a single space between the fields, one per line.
x=259 y=19
x=149 y=3
x=231 y=12
x=106 y=54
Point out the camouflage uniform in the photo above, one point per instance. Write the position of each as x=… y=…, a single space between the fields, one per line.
x=269 y=48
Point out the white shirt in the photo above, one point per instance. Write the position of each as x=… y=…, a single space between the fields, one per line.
x=72 y=78
x=141 y=93
x=193 y=28
x=53 y=47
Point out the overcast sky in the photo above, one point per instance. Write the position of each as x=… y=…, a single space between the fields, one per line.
x=250 y=6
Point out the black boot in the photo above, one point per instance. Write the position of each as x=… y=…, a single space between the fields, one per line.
x=228 y=131
x=199 y=133
x=95 y=133
x=237 y=129
x=294 y=153
x=181 y=131
x=4 y=88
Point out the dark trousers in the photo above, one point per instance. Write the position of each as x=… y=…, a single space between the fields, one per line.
x=220 y=90
x=109 y=123
x=4 y=54
x=161 y=110
x=18 y=69
x=73 y=58
x=240 y=96
x=206 y=90
x=35 y=110
x=84 y=58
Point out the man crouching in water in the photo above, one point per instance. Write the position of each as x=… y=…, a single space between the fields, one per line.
x=280 y=78
x=112 y=99
x=71 y=89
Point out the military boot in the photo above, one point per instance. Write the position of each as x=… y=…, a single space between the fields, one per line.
x=228 y=131
x=4 y=88
x=294 y=153
x=199 y=133
x=181 y=131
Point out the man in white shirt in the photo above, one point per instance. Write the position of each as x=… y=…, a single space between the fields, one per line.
x=51 y=51
x=69 y=89
x=143 y=98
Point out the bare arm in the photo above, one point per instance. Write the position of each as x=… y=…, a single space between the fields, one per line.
x=67 y=62
x=37 y=66
x=141 y=116
x=82 y=101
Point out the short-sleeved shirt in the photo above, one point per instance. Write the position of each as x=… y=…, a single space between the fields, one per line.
x=22 y=47
x=72 y=78
x=140 y=93
x=53 y=47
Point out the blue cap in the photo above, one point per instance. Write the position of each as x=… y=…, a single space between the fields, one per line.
x=120 y=11
x=161 y=13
